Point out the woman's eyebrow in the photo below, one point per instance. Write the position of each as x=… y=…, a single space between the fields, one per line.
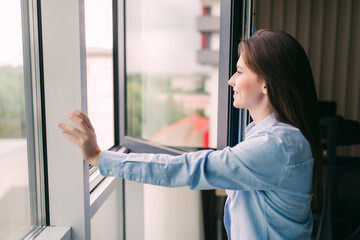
x=238 y=66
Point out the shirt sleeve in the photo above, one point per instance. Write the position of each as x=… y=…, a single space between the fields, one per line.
x=255 y=164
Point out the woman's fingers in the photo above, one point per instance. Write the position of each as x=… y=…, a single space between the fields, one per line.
x=84 y=137
x=72 y=138
x=80 y=122
x=85 y=118
x=71 y=130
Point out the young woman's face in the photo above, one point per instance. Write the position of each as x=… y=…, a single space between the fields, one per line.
x=249 y=89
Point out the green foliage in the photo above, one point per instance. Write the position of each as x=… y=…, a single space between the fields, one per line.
x=201 y=112
x=12 y=102
x=151 y=105
x=133 y=106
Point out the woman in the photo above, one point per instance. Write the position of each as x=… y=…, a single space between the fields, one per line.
x=271 y=176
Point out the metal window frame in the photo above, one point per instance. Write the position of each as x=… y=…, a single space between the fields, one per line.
x=34 y=116
x=232 y=121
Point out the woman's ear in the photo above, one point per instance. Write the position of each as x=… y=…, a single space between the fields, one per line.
x=264 y=90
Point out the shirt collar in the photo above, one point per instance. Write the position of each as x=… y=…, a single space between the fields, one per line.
x=268 y=121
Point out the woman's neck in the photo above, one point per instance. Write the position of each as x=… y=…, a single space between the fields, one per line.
x=260 y=112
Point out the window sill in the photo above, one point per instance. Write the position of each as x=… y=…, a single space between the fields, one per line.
x=56 y=233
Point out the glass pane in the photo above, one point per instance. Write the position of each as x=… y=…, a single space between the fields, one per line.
x=99 y=65
x=172 y=71
x=107 y=223
x=15 y=217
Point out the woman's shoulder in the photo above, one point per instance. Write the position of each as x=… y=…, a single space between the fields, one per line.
x=279 y=137
x=293 y=141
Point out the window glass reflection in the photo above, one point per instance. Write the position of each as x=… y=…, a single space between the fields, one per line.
x=172 y=71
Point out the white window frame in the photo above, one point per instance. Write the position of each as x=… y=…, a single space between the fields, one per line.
x=64 y=66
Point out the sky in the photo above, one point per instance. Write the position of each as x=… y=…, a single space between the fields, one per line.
x=162 y=36
x=11 y=49
x=165 y=44
x=11 y=35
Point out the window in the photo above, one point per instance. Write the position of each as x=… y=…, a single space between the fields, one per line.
x=195 y=29
x=175 y=59
x=172 y=51
x=99 y=67
x=22 y=207
x=100 y=75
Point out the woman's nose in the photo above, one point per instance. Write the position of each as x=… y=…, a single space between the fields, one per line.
x=231 y=81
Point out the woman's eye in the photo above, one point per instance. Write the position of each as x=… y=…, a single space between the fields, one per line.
x=238 y=72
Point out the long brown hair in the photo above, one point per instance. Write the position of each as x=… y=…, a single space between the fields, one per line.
x=282 y=62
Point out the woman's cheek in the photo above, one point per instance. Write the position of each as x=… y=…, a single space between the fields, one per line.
x=242 y=85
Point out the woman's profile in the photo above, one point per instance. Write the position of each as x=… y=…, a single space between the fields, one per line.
x=270 y=177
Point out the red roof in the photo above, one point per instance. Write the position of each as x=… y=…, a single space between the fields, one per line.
x=191 y=131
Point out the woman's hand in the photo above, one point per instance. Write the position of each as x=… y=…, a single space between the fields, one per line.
x=84 y=137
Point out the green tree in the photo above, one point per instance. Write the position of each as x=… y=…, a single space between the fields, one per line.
x=12 y=102
x=133 y=106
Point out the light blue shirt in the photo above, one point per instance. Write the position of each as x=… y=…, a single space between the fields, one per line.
x=268 y=178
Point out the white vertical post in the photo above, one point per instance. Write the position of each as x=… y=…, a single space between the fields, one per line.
x=134 y=210
x=65 y=90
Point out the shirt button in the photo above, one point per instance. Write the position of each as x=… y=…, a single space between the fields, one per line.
x=110 y=172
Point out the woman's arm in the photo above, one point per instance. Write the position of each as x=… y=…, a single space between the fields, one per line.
x=256 y=164
x=259 y=163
